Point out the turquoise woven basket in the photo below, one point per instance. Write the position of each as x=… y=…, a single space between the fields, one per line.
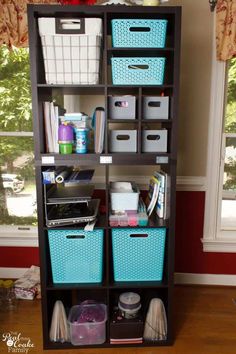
x=137 y=70
x=138 y=254
x=139 y=33
x=76 y=256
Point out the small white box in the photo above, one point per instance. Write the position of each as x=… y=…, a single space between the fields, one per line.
x=122 y=107
x=124 y=199
x=155 y=107
x=154 y=140
x=123 y=141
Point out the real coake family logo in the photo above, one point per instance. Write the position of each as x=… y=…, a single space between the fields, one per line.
x=16 y=343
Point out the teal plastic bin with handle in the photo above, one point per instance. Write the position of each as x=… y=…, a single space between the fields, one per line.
x=138 y=254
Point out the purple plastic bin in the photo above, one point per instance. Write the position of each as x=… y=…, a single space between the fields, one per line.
x=88 y=324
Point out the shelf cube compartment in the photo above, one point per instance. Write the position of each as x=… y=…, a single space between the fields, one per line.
x=71 y=49
x=155 y=107
x=154 y=140
x=138 y=70
x=139 y=33
x=76 y=256
x=138 y=254
x=123 y=140
x=122 y=107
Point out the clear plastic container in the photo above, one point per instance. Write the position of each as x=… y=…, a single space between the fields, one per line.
x=123 y=220
x=88 y=324
x=132 y=218
x=142 y=219
x=8 y=297
x=113 y=220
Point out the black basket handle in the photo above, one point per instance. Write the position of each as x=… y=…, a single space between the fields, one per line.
x=70 y=26
x=153 y=137
x=73 y=237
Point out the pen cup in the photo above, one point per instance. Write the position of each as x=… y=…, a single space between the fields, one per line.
x=81 y=136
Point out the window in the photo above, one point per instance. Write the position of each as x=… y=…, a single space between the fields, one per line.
x=220 y=206
x=228 y=166
x=17 y=180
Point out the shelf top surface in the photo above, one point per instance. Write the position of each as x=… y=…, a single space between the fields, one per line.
x=50 y=9
x=125 y=158
x=101 y=86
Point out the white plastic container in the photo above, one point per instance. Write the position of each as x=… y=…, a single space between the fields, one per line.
x=123 y=140
x=91 y=331
x=71 y=49
x=155 y=107
x=122 y=107
x=122 y=200
x=154 y=140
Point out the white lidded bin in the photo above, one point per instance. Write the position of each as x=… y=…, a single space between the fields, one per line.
x=71 y=49
x=87 y=324
x=154 y=140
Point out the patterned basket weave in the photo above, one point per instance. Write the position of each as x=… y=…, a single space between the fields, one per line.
x=138 y=71
x=138 y=254
x=139 y=33
x=76 y=255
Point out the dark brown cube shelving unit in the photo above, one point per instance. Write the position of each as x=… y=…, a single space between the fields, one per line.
x=106 y=291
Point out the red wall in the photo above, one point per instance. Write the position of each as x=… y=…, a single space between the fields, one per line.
x=189 y=255
x=19 y=257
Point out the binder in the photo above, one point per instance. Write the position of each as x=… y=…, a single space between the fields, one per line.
x=51 y=123
x=99 y=124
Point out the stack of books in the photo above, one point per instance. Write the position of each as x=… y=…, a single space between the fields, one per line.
x=159 y=195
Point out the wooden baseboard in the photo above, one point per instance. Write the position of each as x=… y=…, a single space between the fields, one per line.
x=180 y=278
x=205 y=279
x=12 y=273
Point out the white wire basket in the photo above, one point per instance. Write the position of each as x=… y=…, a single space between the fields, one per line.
x=71 y=50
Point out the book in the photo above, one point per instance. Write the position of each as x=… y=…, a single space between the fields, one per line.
x=56 y=126
x=47 y=126
x=167 y=197
x=59 y=330
x=163 y=203
x=153 y=192
x=160 y=203
x=51 y=123
x=53 y=126
x=99 y=125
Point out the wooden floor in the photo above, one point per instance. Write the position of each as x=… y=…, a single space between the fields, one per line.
x=205 y=323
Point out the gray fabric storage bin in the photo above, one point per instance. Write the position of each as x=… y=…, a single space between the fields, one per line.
x=121 y=107
x=155 y=107
x=154 y=140
x=123 y=140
